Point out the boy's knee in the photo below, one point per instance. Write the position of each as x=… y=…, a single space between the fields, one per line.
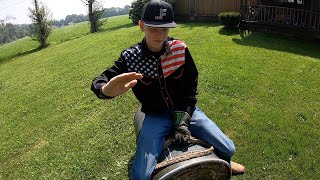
x=139 y=174
x=198 y=122
x=229 y=151
x=135 y=175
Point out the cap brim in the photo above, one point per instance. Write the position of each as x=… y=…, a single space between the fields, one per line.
x=160 y=24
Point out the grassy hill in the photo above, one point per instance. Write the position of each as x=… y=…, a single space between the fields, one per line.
x=262 y=90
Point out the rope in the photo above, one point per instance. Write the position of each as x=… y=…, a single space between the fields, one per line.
x=187 y=155
x=192 y=140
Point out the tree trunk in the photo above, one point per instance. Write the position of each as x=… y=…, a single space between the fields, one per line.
x=42 y=39
x=93 y=27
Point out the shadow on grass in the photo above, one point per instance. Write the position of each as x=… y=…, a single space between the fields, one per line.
x=130 y=164
x=114 y=28
x=192 y=25
x=19 y=54
x=228 y=32
x=279 y=43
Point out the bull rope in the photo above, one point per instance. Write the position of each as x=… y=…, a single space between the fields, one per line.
x=187 y=155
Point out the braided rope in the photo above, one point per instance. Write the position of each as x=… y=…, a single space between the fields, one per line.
x=185 y=156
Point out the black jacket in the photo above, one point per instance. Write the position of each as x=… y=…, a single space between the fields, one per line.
x=169 y=81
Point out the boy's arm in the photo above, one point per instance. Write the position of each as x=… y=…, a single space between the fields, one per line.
x=189 y=100
x=183 y=112
x=120 y=84
x=114 y=81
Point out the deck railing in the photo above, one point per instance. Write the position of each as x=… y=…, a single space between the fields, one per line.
x=288 y=17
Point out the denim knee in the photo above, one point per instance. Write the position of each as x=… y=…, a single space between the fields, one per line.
x=231 y=149
x=139 y=174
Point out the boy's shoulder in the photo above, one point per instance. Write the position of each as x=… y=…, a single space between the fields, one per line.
x=135 y=49
x=176 y=42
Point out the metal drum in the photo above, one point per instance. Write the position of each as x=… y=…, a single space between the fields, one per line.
x=195 y=160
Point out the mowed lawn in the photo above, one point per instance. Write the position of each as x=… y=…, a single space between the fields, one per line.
x=262 y=90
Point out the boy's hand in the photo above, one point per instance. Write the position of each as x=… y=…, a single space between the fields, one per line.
x=181 y=135
x=121 y=84
x=181 y=132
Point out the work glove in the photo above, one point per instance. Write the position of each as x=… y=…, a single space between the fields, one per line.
x=181 y=133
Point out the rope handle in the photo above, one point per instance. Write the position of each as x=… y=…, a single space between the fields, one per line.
x=186 y=155
x=192 y=140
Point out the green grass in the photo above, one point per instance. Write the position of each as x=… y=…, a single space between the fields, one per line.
x=262 y=90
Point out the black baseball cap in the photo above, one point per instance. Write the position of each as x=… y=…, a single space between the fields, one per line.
x=157 y=13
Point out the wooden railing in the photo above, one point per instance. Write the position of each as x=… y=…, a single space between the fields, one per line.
x=288 y=17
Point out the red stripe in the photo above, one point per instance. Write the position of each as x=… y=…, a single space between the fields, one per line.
x=172 y=64
x=169 y=72
x=172 y=57
x=177 y=49
x=176 y=42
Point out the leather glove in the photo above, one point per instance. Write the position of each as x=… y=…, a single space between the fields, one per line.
x=181 y=133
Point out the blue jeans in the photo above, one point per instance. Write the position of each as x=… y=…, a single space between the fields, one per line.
x=155 y=129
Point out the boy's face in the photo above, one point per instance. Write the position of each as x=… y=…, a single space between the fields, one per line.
x=155 y=37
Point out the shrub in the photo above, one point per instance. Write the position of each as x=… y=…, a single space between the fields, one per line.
x=230 y=20
x=136 y=9
x=40 y=16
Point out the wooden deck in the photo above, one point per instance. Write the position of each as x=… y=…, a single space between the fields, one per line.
x=285 y=20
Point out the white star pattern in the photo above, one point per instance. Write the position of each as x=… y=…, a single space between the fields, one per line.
x=170 y=62
x=135 y=63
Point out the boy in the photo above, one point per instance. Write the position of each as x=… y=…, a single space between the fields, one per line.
x=164 y=78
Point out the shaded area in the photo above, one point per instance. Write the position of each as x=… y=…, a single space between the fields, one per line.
x=190 y=25
x=10 y=56
x=298 y=20
x=114 y=28
x=228 y=32
x=130 y=164
x=279 y=43
x=19 y=54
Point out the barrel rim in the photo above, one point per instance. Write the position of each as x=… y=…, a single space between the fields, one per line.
x=189 y=163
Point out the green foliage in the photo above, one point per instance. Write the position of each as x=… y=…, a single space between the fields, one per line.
x=98 y=21
x=25 y=46
x=20 y=47
x=116 y=11
x=42 y=24
x=230 y=20
x=95 y=12
x=69 y=32
x=136 y=9
x=107 y=12
x=261 y=90
x=70 y=19
x=11 y=32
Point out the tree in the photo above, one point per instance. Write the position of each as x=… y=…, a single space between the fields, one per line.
x=41 y=21
x=10 y=32
x=115 y=11
x=136 y=9
x=95 y=12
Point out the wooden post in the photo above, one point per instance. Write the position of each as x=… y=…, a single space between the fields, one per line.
x=241 y=10
x=310 y=16
x=246 y=9
x=311 y=5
